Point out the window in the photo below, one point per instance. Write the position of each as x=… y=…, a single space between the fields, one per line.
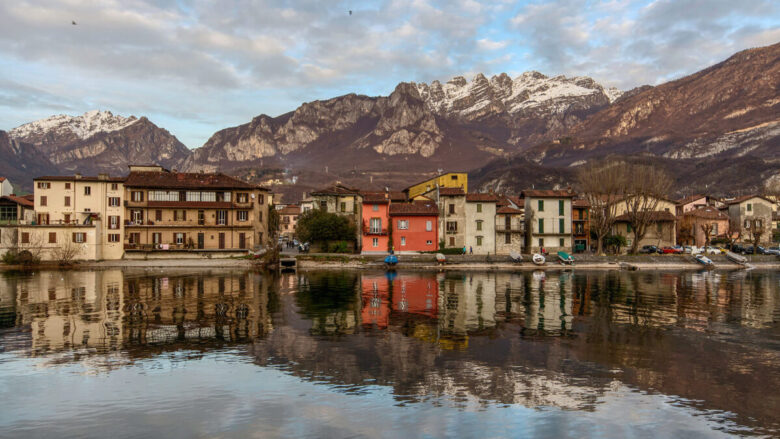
x=507 y=238
x=179 y=238
x=157 y=238
x=479 y=240
x=221 y=217
x=403 y=240
x=479 y=207
x=452 y=209
x=452 y=242
x=560 y=242
x=137 y=216
x=324 y=205
x=113 y=237
x=541 y=225
x=43 y=218
x=560 y=207
x=242 y=197
x=44 y=200
x=715 y=229
x=260 y=199
x=561 y=228
x=260 y=216
x=138 y=196
x=52 y=237
x=375 y=225
x=173 y=196
x=428 y=226
x=201 y=217
x=540 y=205
x=375 y=208
x=429 y=242
x=67 y=202
x=375 y=242
x=403 y=224
x=87 y=190
x=541 y=242
x=180 y=215
x=158 y=215
x=113 y=221
x=628 y=228
x=479 y=225
x=747 y=224
x=113 y=201
x=79 y=237
x=66 y=219
x=343 y=206
x=114 y=186
x=242 y=215
x=759 y=223
x=25 y=237
x=452 y=227
x=453 y=177
x=46 y=185
x=7 y=213
x=67 y=185
x=749 y=207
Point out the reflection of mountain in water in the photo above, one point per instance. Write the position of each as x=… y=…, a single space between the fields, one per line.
x=558 y=338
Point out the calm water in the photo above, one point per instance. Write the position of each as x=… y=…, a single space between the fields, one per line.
x=417 y=354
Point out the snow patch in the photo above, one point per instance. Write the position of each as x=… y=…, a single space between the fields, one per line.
x=83 y=127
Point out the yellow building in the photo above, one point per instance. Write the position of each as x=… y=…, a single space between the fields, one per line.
x=448 y=179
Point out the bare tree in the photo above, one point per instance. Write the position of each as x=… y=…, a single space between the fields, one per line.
x=686 y=230
x=67 y=252
x=734 y=232
x=707 y=229
x=645 y=186
x=756 y=230
x=602 y=184
x=34 y=245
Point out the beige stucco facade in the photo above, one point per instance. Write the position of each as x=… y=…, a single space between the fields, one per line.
x=452 y=220
x=549 y=214
x=480 y=226
x=749 y=211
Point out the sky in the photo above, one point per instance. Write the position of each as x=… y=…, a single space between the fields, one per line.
x=194 y=67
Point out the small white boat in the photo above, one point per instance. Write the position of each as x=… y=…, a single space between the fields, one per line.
x=737 y=259
x=516 y=257
x=703 y=260
x=440 y=258
x=538 y=259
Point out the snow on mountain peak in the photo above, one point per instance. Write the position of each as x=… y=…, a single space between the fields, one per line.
x=528 y=90
x=83 y=127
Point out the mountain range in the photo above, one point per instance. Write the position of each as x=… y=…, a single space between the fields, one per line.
x=510 y=133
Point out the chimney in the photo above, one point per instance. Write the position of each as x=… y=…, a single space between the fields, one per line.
x=102 y=176
x=77 y=176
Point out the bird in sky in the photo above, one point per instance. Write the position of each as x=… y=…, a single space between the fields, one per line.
x=350 y=12
x=73 y=22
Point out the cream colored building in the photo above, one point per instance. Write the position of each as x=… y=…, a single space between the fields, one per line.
x=452 y=216
x=549 y=214
x=481 y=223
x=752 y=211
x=510 y=230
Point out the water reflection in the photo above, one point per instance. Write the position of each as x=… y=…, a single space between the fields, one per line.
x=709 y=341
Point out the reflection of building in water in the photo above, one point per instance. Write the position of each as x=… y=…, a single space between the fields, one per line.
x=754 y=303
x=375 y=297
x=416 y=294
x=548 y=303
x=102 y=310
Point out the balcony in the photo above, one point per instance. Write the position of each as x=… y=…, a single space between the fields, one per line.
x=373 y=231
x=512 y=228
x=452 y=231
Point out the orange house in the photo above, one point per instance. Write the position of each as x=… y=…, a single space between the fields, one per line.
x=376 y=305
x=376 y=222
x=415 y=226
x=416 y=294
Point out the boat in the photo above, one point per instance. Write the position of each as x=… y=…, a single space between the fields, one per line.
x=516 y=257
x=737 y=259
x=391 y=260
x=440 y=258
x=538 y=259
x=565 y=258
x=703 y=260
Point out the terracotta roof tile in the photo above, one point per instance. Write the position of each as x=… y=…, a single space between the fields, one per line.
x=707 y=212
x=185 y=180
x=509 y=210
x=690 y=199
x=418 y=208
x=580 y=202
x=82 y=178
x=375 y=197
x=547 y=194
x=291 y=210
x=19 y=200
x=745 y=198
x=482 y=198
x=451 y=191
x=336 y=189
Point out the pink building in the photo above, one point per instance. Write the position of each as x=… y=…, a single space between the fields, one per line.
x=415 y=226
x=375 y=222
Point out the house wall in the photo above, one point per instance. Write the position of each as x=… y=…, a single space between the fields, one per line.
x=662 y=206
x=6 y=188
x=660 y=234
x=581 y=215
x=450 y=179
x=515 y=233
x=382 y=240
x=90 y=250
x=759 y=209
x=416 y=237
x=551 y=216
x=452 y=239
x=487 y=219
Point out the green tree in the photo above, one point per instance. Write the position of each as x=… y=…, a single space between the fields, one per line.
x=317 y=225
x=616 y=242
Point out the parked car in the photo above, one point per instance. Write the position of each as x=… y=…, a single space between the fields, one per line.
x=675 y=250
x=687 y=249
x=759 y=250
x=736 y=248
x=773 y=251
x=649 y=249
x=713 y=250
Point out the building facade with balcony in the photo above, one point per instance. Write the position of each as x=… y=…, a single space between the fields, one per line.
x=375 y=225
x=452 y=216
x=549 y=215
x=580 y=226
x=510 y=230
x=481 y=223
x=167 y=211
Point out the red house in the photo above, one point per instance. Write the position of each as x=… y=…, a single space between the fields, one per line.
x=376 y=222
x=415 y=226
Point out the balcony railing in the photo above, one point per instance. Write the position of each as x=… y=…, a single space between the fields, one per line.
x=509 y=228
x=452 y=231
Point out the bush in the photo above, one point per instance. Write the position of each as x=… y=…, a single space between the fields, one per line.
x=338 y=247
x=447 y=251
x=11 y=257
x=317 y=225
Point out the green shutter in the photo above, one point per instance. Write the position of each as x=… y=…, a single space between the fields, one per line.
x=560 y=226
x=541 y=225
x=541 y=205
x=560 y=207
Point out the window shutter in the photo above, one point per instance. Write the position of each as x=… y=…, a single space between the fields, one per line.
x=184 y=215
x=74 y=237
x=175 y=215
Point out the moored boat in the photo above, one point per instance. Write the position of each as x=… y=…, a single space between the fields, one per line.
x=707 y=262
x=391 y=260
x=737 y=259
x=440 y=258
x=516 y=257
x=565 y=258
x=538 y=259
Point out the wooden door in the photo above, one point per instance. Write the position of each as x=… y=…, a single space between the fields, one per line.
x=221 y=241
x=201 y=241
x=241 y=240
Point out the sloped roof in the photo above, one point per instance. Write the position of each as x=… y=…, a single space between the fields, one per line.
x=707 y=212
x=509 y=210
x=22 y=201
x=547 y=193
x=656 y=216
x=417 y=208
x=745 y=198
x=690 y=199
x=580 y=202
x=336 y=189
x=434 y=177
x=451 y=191
x=185 y=180
x=292 y=209
x=482 y=198
x=82 y=178
x=2 y=179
